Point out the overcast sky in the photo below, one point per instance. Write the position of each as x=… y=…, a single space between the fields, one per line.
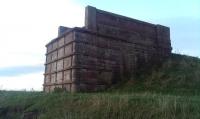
x=27 y=25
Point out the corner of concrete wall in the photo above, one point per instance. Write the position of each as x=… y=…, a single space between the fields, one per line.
x=163 y=39
x=90 y=18
x=61 y=30
x=163 y=30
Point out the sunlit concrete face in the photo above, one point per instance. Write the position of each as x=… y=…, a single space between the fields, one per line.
x=98 y=55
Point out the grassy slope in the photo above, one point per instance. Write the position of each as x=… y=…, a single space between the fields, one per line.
x=168 y=91
x=179 y=74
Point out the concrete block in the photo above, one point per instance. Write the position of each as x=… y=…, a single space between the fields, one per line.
x=48 y=68
x=54 y=45
x=68 y=49
x=59 y=77
x=61 y=52
x=53 y=78
x=53 y=67
x=49 y=48
x=69 y=38
x=60 y=65
x=47 y=79
x=54 y=55
x=67 y=62
x=67 y=75
x=61 y=42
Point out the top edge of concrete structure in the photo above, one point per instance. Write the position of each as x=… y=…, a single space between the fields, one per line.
x=94 y=9
x=90 y=24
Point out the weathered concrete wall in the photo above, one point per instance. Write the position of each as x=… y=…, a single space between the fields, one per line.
x=109 y=47
x=128 y=29
x=60 y=63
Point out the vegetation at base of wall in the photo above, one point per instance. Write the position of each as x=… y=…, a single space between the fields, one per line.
x=180 y=74
x=168 y=91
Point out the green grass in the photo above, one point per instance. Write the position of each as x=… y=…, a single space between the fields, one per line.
x=178 y=74
x=168 y=91
x=144 y=105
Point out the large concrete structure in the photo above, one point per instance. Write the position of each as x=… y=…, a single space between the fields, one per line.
x=107 y=48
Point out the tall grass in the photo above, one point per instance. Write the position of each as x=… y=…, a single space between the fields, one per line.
x=109 y=105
